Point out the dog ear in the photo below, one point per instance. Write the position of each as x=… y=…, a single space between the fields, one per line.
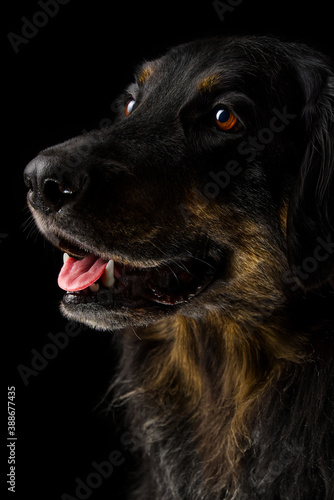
x=310 y=225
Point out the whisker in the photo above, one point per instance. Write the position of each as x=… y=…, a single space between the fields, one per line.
x=158 y=248
x=177 y=279
x=135 y=333
x=29 y=228
x=204 y=262
x=181 y=264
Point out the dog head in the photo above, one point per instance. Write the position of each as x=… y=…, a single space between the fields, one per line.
x=215 y=179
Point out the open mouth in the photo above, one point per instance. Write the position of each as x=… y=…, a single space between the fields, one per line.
x=88 y=278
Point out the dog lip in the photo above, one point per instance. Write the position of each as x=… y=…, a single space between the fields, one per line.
x=103 y=298
x=78 y=250
x=72 y=249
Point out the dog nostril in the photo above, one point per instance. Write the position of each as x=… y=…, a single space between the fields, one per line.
x=55 y=195
x=51 y=186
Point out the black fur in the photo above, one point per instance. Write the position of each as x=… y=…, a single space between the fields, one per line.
x=312 y=206
x=224 y=244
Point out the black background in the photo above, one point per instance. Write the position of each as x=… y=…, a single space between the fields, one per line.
x=62 y=81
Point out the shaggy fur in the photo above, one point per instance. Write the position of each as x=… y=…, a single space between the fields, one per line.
x=226 y=376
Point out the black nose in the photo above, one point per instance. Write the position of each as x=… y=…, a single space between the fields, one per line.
x=52 y=185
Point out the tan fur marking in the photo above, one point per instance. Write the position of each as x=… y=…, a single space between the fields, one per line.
x=208 y=83
x=284 y=216
x=144 y=75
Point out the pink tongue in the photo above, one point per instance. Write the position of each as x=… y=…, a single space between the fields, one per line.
x=79 y=274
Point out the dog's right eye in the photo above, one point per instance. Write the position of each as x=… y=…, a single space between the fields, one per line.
x=225 y=119
x=130 y=107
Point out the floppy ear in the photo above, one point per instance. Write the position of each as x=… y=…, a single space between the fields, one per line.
x=310 y=228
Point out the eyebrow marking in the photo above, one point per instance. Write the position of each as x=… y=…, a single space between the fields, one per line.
x=208 y=83
x=144 y=75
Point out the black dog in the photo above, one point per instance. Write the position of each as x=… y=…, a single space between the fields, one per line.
x=202 y=223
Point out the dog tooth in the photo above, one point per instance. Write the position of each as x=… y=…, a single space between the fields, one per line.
x=108 y=278
x=95 y=287
x=65 y=257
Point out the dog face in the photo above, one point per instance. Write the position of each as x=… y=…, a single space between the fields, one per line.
x=215 y=177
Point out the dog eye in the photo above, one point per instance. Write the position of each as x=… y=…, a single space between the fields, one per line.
x=225 y=120
x=130 y=107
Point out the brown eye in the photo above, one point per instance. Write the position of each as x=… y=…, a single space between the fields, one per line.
x=225 y=120
x=129 y=107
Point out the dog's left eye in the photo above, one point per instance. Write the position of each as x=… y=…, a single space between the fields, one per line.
x=225 y=120
x=130 y=107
